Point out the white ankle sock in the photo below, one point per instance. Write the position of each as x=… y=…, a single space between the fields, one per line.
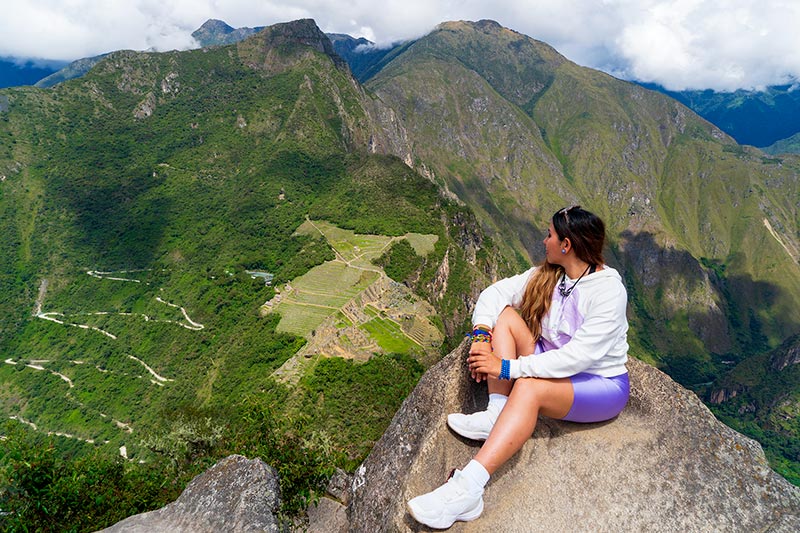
x=476 y=474
x=496 y=403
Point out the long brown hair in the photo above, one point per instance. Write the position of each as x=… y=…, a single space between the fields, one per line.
x=587 y=233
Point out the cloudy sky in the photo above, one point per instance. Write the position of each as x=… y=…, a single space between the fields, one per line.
x=718 y=44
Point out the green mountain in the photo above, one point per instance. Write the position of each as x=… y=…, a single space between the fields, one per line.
x=704 y=230
x=192 y=238
x=216 y=32
x=790 y=145
x=146 y=204
x=758 y=118
x=698 y=223
x=75 y=69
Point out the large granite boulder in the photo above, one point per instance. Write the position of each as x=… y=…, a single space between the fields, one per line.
x=235 y=495
x=664 y=464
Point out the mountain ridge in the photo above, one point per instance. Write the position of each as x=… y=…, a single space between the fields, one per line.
x=758 y=118
x=196 y=167
x=695 y=222
x=734 y=112
x=143 y=193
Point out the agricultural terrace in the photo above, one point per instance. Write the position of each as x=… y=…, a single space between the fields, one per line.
x=327 y=289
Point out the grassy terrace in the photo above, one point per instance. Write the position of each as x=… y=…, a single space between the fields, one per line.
x=327 y=288
x=388 y=333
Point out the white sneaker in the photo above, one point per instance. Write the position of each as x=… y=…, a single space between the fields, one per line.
x=476 y=426
x=452 y=501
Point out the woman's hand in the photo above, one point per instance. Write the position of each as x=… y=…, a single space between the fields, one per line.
x=482 y=361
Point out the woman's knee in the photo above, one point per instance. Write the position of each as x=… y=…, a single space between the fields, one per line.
x=509 y=318
x=510 y=322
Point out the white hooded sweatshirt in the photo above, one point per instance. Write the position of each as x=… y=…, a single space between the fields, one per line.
x=585 y=331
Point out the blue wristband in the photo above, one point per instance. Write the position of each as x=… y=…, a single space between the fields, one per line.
x=505 y=369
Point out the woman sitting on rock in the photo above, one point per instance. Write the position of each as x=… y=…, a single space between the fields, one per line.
x=550 y=341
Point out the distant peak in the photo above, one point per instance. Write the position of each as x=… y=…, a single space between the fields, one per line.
x=215 y=25
x=485 y=25
x=216 y=32
x=304 y=32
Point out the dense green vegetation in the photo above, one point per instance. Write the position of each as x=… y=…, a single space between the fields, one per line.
x=52 y=484
x=48 y=488
x=400 y=261
x=135 y=199
x=353 y=402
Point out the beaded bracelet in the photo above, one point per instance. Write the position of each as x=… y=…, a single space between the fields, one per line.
x=480 y=335
x=505 y=369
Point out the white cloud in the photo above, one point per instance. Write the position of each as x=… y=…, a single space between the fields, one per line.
x=713 y=43
x=722 y=44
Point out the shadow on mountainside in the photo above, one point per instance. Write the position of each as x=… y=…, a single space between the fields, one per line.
x=118 y=228
x=693 y=309
x=109 y=193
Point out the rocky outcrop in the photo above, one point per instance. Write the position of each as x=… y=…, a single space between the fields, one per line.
x=722 y=395
x=788 y=354
x=236 y=494
x=215 y=32
x=665 y=464
x=278 y=47
x=329 y=514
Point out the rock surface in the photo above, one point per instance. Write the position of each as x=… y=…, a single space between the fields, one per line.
x=329 y=514
x=236 y=494
x=664 y=464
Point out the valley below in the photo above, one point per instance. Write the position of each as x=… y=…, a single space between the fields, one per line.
x=244 y=249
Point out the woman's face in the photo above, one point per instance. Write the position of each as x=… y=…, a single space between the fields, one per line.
x=552 y=246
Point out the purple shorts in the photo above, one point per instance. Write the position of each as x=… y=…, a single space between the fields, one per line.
x=597 y=398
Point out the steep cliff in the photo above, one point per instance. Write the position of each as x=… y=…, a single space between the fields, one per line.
x=762 y=395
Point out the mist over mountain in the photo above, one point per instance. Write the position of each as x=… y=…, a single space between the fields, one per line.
x=364 y=58
x=210 y=246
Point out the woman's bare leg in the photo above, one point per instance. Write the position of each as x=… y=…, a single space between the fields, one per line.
x=511 y=338
x=529 y=397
